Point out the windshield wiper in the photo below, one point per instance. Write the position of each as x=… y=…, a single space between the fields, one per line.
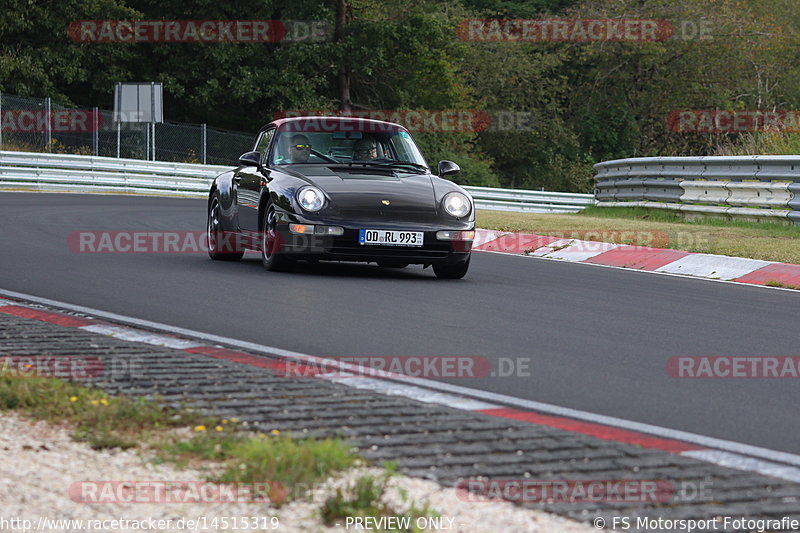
x=384 y=162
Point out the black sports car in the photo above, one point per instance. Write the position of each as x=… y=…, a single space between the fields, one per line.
x=341 y=189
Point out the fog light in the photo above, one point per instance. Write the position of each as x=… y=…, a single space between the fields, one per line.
x=330 y=230
x=450 y=235
x=301 y=228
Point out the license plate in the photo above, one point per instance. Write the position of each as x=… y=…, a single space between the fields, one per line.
x=390 y=238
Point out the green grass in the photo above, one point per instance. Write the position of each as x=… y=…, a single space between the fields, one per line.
x=101 y=420
x=289 y=466
x=776 y=283
x=365 y=498
x=768 y=240
x=771 y=227
x=762 y=143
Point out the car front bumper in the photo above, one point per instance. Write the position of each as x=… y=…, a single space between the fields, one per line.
x=346 y=247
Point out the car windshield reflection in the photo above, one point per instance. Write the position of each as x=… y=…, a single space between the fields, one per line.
x=391 y=148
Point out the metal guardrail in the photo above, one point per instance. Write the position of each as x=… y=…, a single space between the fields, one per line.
x=79 y=173
x=531 y=201
x=734 y=186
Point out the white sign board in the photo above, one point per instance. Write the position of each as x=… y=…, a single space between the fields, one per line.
x=139 y=102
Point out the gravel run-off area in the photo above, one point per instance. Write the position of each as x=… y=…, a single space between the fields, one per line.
x=39 y=463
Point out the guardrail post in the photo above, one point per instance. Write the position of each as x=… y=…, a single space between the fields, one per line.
x=96 y=128
x=153 y=115
x=119 y=124
x=204 y=142
x=1 y=120
x=49 y=136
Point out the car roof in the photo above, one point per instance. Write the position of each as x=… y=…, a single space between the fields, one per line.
x=281 y=121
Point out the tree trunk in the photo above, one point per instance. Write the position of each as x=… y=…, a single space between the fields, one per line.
x=343 y=78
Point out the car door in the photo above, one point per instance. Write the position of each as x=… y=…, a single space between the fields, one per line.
x=248 y=182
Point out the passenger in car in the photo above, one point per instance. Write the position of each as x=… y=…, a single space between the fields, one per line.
x=365 y=149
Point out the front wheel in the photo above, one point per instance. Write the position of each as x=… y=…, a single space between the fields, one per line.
x=451 y=271
x=271 y=257
x=218 y=245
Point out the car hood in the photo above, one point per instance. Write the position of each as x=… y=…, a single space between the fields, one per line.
x=359 y=191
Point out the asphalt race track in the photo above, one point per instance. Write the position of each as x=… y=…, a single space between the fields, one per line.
x=598 y=339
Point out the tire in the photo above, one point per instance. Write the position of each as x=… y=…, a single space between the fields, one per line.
x=271 y=258
x=451 y=271
x=213 y=234
x=392 y=264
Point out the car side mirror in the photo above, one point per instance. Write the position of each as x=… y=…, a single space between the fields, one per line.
x=250 y=159
x=448 y=168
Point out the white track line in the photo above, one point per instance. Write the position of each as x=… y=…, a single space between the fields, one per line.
x=733 y=460
x=427 y=395
x=770 y=468
x=136 y=335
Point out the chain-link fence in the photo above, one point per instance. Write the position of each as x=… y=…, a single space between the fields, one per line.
x=35 y=125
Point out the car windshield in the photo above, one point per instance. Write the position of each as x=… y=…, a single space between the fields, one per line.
x=349 y=142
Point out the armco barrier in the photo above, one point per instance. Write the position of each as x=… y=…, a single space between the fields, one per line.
x=740 y=186
x=75 y=173
x=532 y=201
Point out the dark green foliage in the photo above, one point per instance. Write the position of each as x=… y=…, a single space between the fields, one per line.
x=589 y=101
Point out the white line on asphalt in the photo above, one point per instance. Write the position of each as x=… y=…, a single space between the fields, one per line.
x=426 y=395
x=733 y=460
x=136 y=335
x=710 y=442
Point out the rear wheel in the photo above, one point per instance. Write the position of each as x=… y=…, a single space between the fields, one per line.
x=451 y=271
x=271 y=257
x=219 y=248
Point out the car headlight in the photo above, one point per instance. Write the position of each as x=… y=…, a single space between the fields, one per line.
x=456 y=204
x=311 y=199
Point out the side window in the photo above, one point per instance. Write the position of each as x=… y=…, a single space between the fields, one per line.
x=399 y=149
x=262 y=146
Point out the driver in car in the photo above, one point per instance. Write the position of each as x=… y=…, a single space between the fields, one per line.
x=299 y=149
x=365 y=149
